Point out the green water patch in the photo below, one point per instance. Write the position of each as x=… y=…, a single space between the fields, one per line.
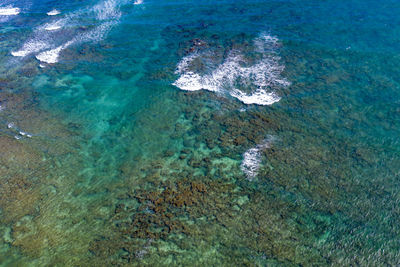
x=161 y=183
x=124 y=169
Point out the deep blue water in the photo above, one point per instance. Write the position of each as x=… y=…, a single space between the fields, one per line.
x=218 y=133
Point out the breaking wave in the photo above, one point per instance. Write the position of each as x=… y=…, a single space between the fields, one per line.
x=51 y=56
x=9 y=11
x=252 y=158
x=54 y=25
x=249 y=82
x=49 y=40
x=54 y=12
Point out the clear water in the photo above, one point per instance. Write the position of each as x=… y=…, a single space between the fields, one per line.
x=217 y=133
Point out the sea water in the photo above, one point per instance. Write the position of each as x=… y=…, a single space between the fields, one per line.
x=216 y=133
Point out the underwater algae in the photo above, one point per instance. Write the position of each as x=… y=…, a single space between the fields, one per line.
x=136 y=138
x=192 y=202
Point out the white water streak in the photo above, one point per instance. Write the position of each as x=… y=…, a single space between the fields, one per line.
x=262 y=76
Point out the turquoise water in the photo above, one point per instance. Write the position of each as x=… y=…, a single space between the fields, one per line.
x=185 y=133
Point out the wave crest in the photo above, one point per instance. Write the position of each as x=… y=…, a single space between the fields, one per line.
x=249 y=82
x=53 y=12
x=9 y=11
x=46 y=43
x=252 y=158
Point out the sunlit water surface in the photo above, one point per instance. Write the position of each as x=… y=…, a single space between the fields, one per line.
x=186 y=133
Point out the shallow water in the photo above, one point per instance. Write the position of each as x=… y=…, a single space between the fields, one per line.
x=260 y=133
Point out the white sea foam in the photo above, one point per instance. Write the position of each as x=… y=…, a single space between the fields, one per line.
x=185 y=62
x=54 y=12
x=30 y=47
x=191 y=81
x=138 y=2
x=258 y=78
x=19 y=133
x=259 y=97
x=9 y=11
x=252 y=158
x=47 y=45
x=54 y=26
x=25 y=134
x=51 y=56
x=107 y=10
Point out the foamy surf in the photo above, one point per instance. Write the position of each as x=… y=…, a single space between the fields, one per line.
x=236 y=74
x=52 y=27
x=51 y=56
x=46 y=45
x=9 y=11
x=18 y=133
x=191 y=81
x=54 y=12
x=22 y=133
x=252 y=158
x=138 y=2
x=259 y=97
x=30 y=47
